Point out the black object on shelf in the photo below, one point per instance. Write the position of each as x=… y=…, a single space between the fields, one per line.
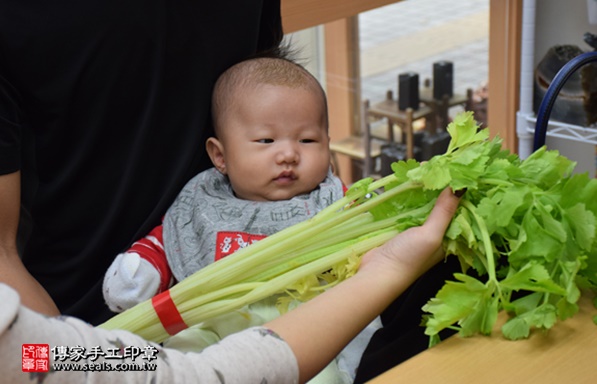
x=443 y=79
x=425 y=146
x=408 y=91
x=391 y=153
x=552 y=92
x=433 y=144
x=572 y=106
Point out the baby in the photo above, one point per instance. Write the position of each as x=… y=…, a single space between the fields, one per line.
x=271 y=170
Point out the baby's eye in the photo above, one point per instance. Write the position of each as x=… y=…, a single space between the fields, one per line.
x=307 y=141
x=265 y=141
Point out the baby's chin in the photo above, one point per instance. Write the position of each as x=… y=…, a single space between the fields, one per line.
x=277 y=195
x=284 y=194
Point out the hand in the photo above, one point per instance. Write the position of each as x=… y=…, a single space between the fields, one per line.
x=129 y=281
x=419 y=248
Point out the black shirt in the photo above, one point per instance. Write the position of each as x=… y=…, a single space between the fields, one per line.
x=104 y=107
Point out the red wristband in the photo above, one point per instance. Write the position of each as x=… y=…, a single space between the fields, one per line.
x=168 y=314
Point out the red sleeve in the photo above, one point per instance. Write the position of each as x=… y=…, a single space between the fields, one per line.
x=151 y=248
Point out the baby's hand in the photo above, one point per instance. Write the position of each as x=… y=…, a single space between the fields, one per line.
x=129 y=281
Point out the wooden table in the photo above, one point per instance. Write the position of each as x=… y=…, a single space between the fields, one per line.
x=441 y=107
x=388 y=109
x=565 y=354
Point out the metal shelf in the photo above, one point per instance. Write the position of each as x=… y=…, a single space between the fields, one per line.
x=564 y=130
x=526 y=119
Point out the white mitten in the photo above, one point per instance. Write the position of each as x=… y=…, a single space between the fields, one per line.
x=130 y=280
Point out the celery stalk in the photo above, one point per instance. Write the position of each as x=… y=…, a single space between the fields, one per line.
x=271 y=265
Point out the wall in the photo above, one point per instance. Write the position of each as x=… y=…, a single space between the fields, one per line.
x=309 y=46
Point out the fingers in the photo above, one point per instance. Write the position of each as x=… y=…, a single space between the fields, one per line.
x=417 y=248
x=443 y=212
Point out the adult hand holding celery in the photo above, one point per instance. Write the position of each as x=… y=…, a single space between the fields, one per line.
x=526 y=229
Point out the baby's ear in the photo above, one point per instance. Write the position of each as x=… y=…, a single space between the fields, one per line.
x=215 y=150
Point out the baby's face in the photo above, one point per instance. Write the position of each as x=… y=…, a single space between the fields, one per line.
x=276 y=144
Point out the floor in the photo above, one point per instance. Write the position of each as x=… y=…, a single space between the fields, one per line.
x=411 y=35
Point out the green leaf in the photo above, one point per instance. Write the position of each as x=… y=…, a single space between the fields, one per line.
x=359 y=188
x=434 y=174
x=519 y=327
x=543 y=316
x=550 y=220
x=526 y=303
x=535 y=241
x=567 y=277
x=566 y=309
x=455 y=301
x=516 y=328
x=465 y=176
x=546 y=168
x=482 y=319
x=461 y=227
x=586 y=194
x=577 y=184
x=499 y=209
x=582 y=224
x=590 y=270
x=464 y=130
x=531 y=277
x=401 y=168
x=506 y=169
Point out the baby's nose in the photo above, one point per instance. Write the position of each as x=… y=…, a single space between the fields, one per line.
x=288 y=153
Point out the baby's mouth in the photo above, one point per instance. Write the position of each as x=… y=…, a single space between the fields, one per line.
x=286 y=176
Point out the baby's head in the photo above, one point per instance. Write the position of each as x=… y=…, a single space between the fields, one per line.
x=271 y=125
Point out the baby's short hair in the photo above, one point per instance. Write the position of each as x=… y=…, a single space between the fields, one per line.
x=258 y=71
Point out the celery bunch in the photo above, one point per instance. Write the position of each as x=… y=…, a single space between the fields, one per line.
x=527 y=226
x=525 y=229
x=300 y=261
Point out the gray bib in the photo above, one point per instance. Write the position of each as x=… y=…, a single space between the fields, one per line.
x=207 y=222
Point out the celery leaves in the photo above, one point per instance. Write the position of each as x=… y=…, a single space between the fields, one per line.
x=526 y=230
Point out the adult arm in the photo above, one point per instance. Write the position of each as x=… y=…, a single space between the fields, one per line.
x=254 y=355
x=339 y=314
x=314 y=332
x=12 y=270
